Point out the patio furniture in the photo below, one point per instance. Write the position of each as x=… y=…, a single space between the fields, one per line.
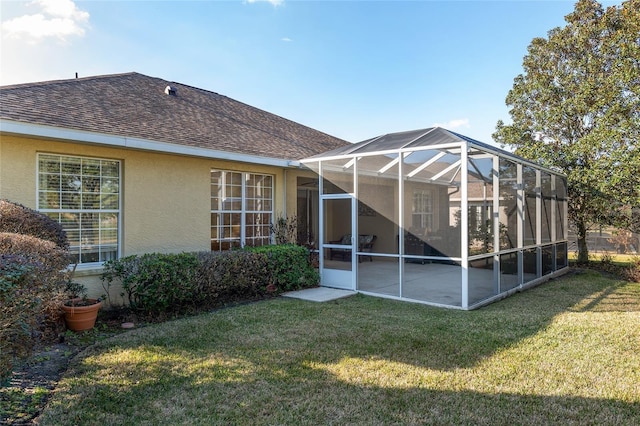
x=365 y=244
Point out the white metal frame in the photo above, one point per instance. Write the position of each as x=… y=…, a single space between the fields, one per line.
x=463 y=150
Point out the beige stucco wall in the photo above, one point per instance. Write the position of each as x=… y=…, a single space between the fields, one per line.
x=165 y=198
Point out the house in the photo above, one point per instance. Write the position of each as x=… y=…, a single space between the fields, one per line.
x=132 y=164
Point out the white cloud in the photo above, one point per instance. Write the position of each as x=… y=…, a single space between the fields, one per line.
x=56 y=18
x=273 y=2
x=454 y=124
x=287 y=39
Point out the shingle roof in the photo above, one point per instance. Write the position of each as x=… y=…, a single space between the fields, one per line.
x=136 y=106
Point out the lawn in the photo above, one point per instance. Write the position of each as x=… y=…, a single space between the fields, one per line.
x=567 y=352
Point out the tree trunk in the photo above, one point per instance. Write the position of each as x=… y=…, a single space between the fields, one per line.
x=583 y=251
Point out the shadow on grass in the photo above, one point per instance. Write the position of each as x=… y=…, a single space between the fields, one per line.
x=260 y=394
x=272 y=362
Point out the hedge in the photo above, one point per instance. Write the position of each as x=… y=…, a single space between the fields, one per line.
x=157 y=284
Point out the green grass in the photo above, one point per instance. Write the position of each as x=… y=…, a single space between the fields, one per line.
x=616 y=258
x=20 y=405
x=567 y=352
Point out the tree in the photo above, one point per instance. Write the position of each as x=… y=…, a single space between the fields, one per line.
x=576 y=108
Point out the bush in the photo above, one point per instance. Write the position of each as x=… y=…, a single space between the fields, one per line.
x=49 y=259
x=229 y=276
x=632 y=271
x=155 y=282
x=18 y=219
x=17 y=306
x=32 y=282
x=288 y=267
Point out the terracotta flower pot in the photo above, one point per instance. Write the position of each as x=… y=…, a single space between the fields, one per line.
x=79 y=315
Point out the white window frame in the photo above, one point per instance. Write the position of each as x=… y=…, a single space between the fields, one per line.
x=423 y=207
x=217 y=230
x=81 y=248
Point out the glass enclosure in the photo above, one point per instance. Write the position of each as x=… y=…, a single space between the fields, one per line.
x=435 y=217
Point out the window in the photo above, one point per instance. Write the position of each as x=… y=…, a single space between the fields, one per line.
x=83 y=195
x=422 y=215
x=241 y=209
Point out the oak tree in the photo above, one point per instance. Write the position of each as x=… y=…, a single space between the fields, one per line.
x=576 y=108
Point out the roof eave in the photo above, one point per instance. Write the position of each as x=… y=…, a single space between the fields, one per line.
x=80 y=136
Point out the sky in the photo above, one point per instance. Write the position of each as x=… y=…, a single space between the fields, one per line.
x=352 y=69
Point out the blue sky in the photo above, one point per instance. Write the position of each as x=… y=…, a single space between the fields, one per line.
x=353 y=69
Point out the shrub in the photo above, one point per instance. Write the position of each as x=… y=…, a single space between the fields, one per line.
x=632 y=271
x=32 y=281
x=288 y=267
x=51 y=260
x=18 y=219
x=17 y=305
x=155 y=282
x=229 y=276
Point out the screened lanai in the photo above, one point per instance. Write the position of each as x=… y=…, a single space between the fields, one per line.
x=436 y=217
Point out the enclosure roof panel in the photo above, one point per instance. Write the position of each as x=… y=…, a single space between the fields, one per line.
x=416 y=139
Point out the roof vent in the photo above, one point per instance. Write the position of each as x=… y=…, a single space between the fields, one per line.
x=170 y=90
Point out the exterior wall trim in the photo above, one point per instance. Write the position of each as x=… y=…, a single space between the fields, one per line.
x=64 y=134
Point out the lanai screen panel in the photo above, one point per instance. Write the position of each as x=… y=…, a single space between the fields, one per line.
x=432 y=225
x=432 y=236
x=508 y=217
x=481 y=226
x=378 y=268
x=432 y=204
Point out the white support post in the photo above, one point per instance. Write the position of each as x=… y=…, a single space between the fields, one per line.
x=538 y=223
x=464 y=224
x=554 y=206
x=243 y=214
x=496 y=220
x=521 y=213
x=400 y=221
x=355 y=232
x=321 y=219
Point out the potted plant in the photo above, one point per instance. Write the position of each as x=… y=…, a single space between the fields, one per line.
x=80 y=312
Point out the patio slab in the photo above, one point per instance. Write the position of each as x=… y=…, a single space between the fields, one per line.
x=319 y=294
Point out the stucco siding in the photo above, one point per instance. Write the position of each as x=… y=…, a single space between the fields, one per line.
x=166 y=199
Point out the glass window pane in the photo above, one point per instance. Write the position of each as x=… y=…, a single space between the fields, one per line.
x=49 y=182
x=229 y=190
x=49 y=164
x=109 y=201
x=90 y=167
x=110 y=185
x=77 y=188
x=71 y=166
x=49 y=200
x=90 y=201
x=110 y=169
